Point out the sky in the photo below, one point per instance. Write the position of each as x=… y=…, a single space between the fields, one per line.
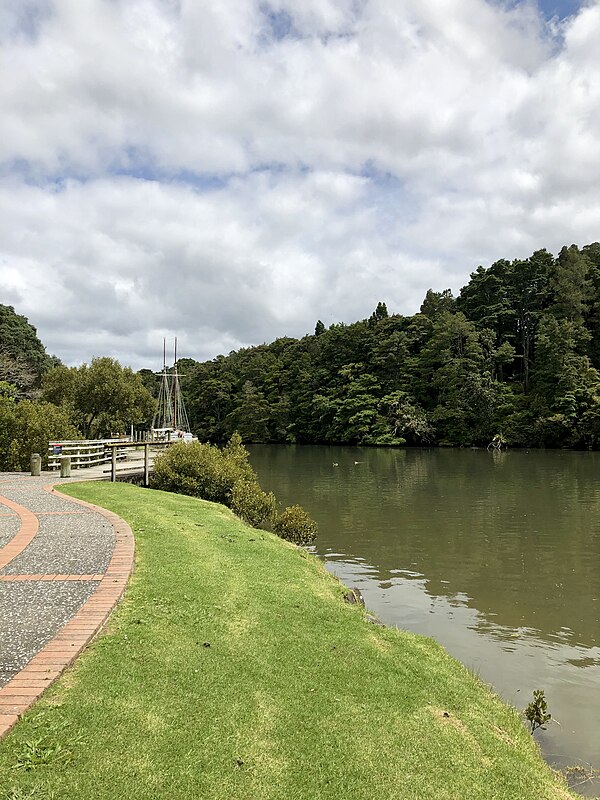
x=229 y=172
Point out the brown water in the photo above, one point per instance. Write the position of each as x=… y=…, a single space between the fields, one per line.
x=495 y=555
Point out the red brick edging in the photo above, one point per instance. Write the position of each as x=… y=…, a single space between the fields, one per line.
x=27 y=532
x=45 y=667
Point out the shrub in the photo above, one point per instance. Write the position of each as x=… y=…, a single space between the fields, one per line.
x=195 y=469
x=26 y=427
x=295 y=525
x=222 y=476
x=250 y=503
x=226 y=476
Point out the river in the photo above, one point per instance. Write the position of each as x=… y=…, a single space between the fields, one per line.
x=494 y=555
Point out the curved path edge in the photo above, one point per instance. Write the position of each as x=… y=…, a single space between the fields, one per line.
x=49 y=663
x=26 y=533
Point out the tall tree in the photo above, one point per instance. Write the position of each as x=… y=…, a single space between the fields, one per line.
x=23 y=357
x=103 y=397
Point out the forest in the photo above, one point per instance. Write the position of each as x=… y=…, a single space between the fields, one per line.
x=513 y=359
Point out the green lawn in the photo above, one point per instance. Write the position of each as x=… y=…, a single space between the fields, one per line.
x=233 y=670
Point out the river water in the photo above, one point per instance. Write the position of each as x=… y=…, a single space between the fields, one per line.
x=494 y=555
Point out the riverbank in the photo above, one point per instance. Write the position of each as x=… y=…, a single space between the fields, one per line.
x=234 y=669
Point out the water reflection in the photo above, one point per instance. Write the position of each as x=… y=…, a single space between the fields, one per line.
x=494 y=555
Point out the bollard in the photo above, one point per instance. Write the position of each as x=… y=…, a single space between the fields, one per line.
x=36 y=464
x=65 y=466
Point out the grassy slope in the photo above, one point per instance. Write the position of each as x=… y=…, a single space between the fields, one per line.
x=296 y=697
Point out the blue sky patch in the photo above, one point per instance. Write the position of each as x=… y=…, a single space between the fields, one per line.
x=559 y=8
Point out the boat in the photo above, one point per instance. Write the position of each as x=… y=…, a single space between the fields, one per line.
x=170 y=422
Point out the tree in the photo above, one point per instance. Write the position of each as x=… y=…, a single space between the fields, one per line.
x=571 y=285
x=436 y=303
x=463 y=390
x=380 y=313
x=27 y=427
x=15 y=369
x=529 y=292
x=251 y=416
x=566 y=387
x=19 y=340
x=407 y=419
x=103 y=397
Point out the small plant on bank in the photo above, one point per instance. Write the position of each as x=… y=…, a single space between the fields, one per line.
x=537 y=711
x=295 y=525
x=250 y=503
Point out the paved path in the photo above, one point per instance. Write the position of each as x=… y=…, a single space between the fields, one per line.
x=64 y=564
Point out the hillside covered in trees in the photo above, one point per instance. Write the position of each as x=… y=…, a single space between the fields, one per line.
x=516 y=354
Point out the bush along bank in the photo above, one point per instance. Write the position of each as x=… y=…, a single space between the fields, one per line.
x=226 y=476
x=234 y=670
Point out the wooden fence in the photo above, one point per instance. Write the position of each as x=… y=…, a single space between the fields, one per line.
x=85 y=453
x=125 y=458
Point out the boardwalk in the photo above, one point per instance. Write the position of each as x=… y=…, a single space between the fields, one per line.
x=63 y=566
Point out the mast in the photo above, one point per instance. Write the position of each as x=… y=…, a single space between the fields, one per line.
x=175 y=387
x=163 y=416
x=170 y=414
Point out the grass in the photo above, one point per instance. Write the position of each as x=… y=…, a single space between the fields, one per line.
x=233 y=670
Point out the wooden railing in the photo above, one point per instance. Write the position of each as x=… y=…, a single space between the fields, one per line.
x=124 y=457
x=134 y=465
x=85 y=453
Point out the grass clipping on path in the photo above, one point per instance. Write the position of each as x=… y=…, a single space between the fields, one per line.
x=234 y=670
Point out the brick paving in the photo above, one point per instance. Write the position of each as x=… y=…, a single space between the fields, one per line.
x=64 y=565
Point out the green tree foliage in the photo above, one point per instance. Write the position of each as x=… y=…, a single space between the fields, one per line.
x=23 y=358
x=102 y=397
x=436 y=303
x=27 y=427
x=517 y=353
x=380 y=313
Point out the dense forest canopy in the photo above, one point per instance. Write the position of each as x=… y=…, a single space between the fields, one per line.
x=516 y=355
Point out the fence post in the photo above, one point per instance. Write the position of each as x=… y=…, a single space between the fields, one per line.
x=65 y=466
x=146 y=465
x=113 y=464
x=36 y=464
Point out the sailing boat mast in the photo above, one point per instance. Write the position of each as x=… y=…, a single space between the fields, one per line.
x=163 y=417
x=170 y=416
x=180 y=417
x=175 y=387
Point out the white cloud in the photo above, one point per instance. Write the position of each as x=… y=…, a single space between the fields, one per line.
x=233 y=171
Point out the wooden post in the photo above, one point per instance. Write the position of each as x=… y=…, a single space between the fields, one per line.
x=65 y=466
x=113 y=465
x=36 y=464
x=146 y=464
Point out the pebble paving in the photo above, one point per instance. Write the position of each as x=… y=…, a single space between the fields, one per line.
x=9 y=525
x=63 y=566
x=65 y=545
x=32 y=613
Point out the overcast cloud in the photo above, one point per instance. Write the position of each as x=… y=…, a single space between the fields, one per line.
x=232 y=171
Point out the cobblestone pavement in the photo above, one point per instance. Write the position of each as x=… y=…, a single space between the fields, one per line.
x=63 y=566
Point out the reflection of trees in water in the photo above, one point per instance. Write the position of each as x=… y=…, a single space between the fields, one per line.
x=518 y=533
